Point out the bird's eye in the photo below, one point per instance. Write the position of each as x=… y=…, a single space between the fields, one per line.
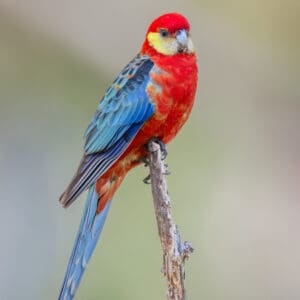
x=163 y=32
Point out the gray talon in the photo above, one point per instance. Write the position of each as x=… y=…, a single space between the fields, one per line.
x=147 y=180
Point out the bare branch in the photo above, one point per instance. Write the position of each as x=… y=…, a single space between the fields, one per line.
x=174 y=252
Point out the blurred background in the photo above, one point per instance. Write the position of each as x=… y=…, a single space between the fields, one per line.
x=235 y=166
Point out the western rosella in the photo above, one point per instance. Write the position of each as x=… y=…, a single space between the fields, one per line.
x=151 y=98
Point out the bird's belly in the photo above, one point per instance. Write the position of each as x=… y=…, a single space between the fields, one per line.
x=156 y=127
x=173 y=100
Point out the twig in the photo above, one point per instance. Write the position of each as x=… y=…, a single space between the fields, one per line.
x=174 y=252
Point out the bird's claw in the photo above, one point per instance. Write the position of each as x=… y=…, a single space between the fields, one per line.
x=164 y=153
x=162 y=146
x=145 y=161
x=147 y=180
x=166 y=172
x=163 y=149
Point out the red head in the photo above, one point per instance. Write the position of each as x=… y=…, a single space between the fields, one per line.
x=171 y=21
x=168 y=35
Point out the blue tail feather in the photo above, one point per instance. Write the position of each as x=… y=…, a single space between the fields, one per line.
x=88 y=234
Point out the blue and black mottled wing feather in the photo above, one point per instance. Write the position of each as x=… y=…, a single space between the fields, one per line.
x=124 y=103
x=120 y=114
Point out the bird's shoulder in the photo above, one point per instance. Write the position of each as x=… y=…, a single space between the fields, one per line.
x=124 y=104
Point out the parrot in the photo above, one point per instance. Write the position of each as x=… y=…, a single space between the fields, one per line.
x=151 y=98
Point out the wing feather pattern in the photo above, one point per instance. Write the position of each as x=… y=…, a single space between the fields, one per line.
x=120 y=114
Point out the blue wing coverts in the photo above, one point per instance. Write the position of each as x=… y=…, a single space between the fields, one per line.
x=120 y=114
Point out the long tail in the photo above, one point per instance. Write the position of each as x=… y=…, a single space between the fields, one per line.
x=88 y=234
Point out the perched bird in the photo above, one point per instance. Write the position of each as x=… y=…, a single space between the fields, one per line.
x=151 y=98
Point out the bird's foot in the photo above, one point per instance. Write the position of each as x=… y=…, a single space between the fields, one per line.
x=145 y=161
x=166 y=172
x=147 y=180
x=162 y=146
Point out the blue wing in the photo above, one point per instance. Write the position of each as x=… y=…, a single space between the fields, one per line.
x=88 y=234
x=120 y=114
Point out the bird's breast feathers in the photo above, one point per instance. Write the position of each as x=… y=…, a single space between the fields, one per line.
x=171 y=88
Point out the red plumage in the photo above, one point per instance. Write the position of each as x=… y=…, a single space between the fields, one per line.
x=177 y=78
x=151 y=98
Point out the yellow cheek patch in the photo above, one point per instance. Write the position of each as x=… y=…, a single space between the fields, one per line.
x=163 y=45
